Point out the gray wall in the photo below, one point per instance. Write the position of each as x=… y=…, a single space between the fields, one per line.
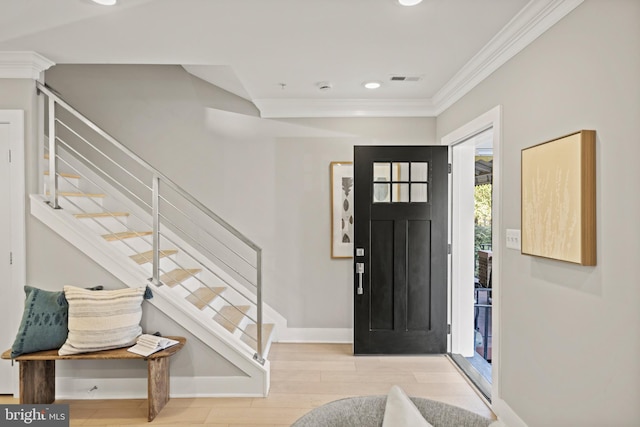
x=570 y=335
x=268 y=178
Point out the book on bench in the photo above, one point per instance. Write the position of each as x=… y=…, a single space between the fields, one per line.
x=147 y=344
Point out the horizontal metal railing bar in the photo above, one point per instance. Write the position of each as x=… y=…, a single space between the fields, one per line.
x=98 y=205
x=51 y=93
x=205 y=230
x=248 y=280
x=101 y=188
x=101 y=171
x=103 y=154
x=186 y=252
x=249 y=300
x=178 y=246
x=221 y=296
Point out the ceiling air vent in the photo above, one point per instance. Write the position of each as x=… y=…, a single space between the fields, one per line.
x=405 y=78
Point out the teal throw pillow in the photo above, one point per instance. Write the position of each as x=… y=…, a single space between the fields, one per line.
x=44 y=322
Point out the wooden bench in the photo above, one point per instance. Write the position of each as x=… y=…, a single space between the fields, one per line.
x=38 y=373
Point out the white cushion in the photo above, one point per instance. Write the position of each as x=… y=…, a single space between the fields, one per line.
x=400 y=411
x=101 y=320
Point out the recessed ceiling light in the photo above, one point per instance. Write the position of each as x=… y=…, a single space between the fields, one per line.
x=409 y=2
x=105 y=2
x=324 y=86
x=372 y=85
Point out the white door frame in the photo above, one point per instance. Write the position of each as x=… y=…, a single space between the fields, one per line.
x=490 y=119
x=15 y=120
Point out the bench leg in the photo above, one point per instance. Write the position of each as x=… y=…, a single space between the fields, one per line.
x=158 y=385
x=37 y=381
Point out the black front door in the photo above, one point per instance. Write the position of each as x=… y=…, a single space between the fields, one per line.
x=400 y=249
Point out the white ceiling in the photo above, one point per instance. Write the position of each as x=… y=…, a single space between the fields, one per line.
x=253 y=47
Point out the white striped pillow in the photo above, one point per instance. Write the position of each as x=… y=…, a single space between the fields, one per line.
x=100 y=320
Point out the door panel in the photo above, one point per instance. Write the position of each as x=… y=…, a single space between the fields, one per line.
x=400 y=207
x=382 y=275
x=418 y=289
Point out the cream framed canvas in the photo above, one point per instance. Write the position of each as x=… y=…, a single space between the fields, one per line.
x=559 y=199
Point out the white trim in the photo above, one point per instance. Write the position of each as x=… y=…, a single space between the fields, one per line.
x=23 y=65
x=461 y=230
x=296 y=108
x=492 y=118
x=531 y=22
x=506 y=416
x=15 y=120
x=316 y=335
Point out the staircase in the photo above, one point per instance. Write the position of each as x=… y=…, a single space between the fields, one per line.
x=144 y=228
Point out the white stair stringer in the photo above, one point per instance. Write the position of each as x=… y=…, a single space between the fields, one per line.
x=256 y=381
x=117 y=201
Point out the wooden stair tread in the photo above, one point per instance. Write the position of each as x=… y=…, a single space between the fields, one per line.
x=71 y=194
x=177 y=276
x=101 y=214
x=65 y=175
x=112 y=237
x=251 y=334
x=147 y=256
x=203 y=296
x=230 y=316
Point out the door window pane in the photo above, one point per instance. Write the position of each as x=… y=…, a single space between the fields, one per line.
x=382 y=172
x=419 y=171
x=418 y=193
x=381 y=192
x=400 y=193
x=401 y=171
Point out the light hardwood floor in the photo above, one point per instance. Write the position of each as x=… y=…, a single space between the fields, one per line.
x=303 y=376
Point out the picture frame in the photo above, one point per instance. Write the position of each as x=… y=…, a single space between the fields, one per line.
x=558 y=209
x=341 y=178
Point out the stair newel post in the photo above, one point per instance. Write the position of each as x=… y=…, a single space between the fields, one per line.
x=155 y=203
x=259 y=347
x=53 y=171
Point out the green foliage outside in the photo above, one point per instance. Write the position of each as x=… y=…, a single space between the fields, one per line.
x=482 y=210
x=482 y=195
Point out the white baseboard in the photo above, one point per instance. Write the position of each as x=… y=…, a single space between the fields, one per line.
x=136 y=388
x=316 y=335
x=506 y=416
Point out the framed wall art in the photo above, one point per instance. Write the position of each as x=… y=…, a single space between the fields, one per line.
x=341 y=209
x=559 y=199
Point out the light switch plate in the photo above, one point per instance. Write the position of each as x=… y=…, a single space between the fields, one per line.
x=513 y=239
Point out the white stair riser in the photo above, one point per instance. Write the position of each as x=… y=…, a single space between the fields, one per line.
x=64 y=184
x=212 y=281
x=220 y=301
x=243 y=324
x=80 y=204
x=104 y=225
x=166 y=264
x=133 y=245
x=191 y=284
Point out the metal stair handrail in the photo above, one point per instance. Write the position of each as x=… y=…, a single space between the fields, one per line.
x=157 y=178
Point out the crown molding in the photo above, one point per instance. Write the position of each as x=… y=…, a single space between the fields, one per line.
x=271 y=108
x=23 y=65
x=531 y=22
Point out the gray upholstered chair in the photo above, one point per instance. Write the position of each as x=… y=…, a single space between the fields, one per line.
x=368 y=411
